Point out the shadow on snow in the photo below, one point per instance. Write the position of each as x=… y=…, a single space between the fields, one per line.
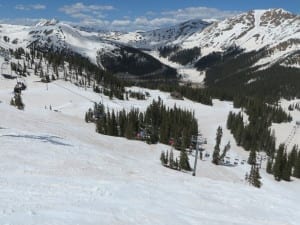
x=50 y=139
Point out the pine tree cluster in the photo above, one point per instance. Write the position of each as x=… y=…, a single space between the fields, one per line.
x=231 y=73
x=218 y=158
x=195 y=94
x=157 y=123
x=168 y=160
x=167 y=50
x=48 y=62
x=284 y=165
x=134 y=94
x=186 y=56
x=295 y=106
x=256 y=135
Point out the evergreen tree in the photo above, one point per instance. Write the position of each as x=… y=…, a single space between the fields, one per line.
x=86 y=117
x=171 y=159
x=292 y=157
x=216 y=153
x=297 y=167
x=254 y=177
x=167 y=158
x=269 y=166
x=114 y=125
x=162 y=158
x=287 y=168
x=252 y=157
x=257 y=177
x=129 y=133
x=184 y=161
x=278 y=164
x=176 y=164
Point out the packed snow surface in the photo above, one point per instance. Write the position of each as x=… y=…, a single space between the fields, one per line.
x=55 y=169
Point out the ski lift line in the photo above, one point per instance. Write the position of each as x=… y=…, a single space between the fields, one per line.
x=73 y=92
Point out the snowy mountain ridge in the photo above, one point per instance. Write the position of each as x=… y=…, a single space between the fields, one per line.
x=159 y=37
x=275 y=32
x=53 y=34
x=250 y=31
x=61 y=37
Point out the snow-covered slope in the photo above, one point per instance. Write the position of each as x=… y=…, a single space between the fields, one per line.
x=276 y=30
x=59 y=36
x=55 y=169
x=54 y=35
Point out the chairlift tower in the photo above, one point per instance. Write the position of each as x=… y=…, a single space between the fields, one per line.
x=199 y=141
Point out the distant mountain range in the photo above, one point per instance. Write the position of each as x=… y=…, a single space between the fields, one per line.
x=271 y=37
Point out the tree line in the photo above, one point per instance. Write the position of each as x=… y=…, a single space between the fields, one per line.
x=284 y=165
x=256 y=133
x=172 y=162
x=157 y=124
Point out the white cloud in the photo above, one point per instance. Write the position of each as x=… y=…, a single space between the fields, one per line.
x=88 y=15
x=199 y=13
x=141 y=21
x=95 y=16
x=30 y=7
x=95 y=23
x=154 y=20
x=79 y=7
x=80 y=16
x=120 y=23
x=158 y=22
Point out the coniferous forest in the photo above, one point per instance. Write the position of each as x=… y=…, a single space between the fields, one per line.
x=284 y=165
x=157 y=124
x=256 y=134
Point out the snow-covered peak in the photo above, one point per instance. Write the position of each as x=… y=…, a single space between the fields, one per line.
x=159 y=37
x=276 y=30
x=45 y=22
x=250 y=31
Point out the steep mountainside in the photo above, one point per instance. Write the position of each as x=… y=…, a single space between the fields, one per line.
x=55 y=36
x=271 y=37
x=275 y=30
